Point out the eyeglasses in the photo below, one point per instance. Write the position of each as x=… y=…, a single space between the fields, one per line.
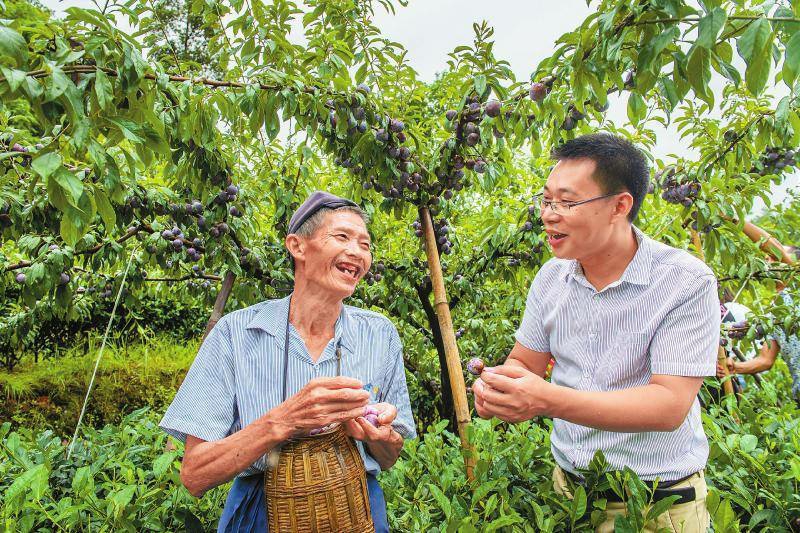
x=563 y=208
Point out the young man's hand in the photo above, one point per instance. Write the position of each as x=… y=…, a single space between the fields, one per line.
x=510 y=393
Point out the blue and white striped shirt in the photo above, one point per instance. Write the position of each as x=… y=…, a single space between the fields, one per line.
x=660 y=317
x=237 y=375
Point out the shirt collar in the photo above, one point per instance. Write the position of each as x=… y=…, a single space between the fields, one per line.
x=272 y=316
x=637 y=271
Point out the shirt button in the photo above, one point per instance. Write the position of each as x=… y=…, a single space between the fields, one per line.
x=596 y=297
x=579 y=447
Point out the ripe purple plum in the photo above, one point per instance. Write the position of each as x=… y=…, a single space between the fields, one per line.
x=475 y=366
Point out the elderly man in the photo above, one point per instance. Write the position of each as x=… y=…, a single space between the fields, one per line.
x=267 y=373
x=633 y=325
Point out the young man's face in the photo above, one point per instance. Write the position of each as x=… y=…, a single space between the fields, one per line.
x=338 y=254
x=580 y=231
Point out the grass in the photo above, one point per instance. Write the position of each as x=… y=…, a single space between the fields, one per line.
x=131 y=375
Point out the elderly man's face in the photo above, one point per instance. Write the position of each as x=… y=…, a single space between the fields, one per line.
x=338 y=254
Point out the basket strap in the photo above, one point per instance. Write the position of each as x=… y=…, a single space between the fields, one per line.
x=286 y=354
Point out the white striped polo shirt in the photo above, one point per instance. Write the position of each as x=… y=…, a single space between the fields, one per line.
x=660 y=317
x=237 y=375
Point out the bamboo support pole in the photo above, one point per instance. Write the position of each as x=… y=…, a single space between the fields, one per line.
x=457 y=385
x=698 y=246
x=770 y=244
x=721 y=354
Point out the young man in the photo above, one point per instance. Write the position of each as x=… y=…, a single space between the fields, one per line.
x=633 y=326
x=231 y=410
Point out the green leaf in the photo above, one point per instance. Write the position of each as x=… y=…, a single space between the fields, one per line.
x=69 y=182
x=105 y=209
x=698 y=72
x=578 y=503
x=441 y=500
x=46 y=164
x=791 y=61
x=636 y=108
x=660 y=507
x=654 y=47
x=14 y=77
x=129 y=129
x=479 y=83
x=12 y=44
x=33 y=478
x=57 y=84
x=709 y=28
x=748 y=443
x=82 y=482
x=69 y=231
x=162 y=464
x=755 y=47
x=103 y=89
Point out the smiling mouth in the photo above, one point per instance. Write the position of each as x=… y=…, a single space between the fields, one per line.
x=556 y=238
x=349 y=269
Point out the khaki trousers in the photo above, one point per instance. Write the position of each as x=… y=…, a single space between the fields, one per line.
x=689 y=517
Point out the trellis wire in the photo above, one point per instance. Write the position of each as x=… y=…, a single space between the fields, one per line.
x=100 y=353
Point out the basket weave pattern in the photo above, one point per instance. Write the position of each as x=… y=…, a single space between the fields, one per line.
x=318 y=485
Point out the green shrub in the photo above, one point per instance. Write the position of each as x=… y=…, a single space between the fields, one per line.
x=119 y=478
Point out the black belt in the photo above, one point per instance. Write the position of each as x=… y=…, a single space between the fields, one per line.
x=685 y=494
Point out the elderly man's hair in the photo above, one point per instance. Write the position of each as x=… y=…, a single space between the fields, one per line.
x=315 y=221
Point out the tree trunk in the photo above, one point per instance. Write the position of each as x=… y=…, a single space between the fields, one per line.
x=445 y=401
x=219 y=304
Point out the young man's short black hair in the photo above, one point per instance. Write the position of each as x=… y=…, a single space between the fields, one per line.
x=620 y=166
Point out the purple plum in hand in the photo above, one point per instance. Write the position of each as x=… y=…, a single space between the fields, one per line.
x=475 y=366
x=372 y=418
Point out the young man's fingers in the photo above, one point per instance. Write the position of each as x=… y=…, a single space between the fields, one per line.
x=506 y=370
x=496 y=397
x=499 y=382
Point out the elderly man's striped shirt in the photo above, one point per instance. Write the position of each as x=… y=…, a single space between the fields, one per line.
x=238 y=373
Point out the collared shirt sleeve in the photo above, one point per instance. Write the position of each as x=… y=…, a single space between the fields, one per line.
x=531 y=333
x=205 y=405
x=687 y=341
x=395 y=389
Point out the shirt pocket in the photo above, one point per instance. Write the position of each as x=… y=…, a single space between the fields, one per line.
x=627 y=362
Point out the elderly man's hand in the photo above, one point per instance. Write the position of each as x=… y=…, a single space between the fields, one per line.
x=510 y=393
x=321 y=402
x=362 y=429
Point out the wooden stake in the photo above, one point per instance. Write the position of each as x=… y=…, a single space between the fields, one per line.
x=454 y=371
x=219 y=303
x=722 y=358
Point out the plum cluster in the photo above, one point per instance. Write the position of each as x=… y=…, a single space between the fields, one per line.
x=676 y=191
x=375 y=274
x=442 y=232
x=776 y=160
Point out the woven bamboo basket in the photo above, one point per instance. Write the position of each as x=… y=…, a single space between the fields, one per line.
x=318 y=484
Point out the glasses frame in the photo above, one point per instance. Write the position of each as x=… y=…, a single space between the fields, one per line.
x=567 y=205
